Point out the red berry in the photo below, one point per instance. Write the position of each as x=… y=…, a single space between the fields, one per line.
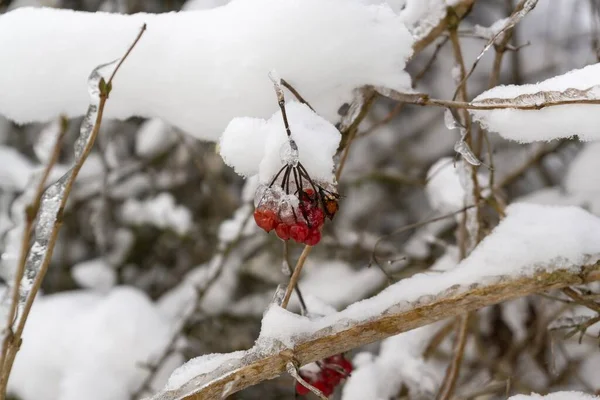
x=332 y=376
x=299 y=232
x=283 y=231
x=346 y=365
x=266 y=219
x=301 y=390
x=313 y=238
x=316 y=217
x=325 y=387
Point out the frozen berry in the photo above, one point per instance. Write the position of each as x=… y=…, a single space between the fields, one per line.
x=301 y=389
x=314 y=237
x=316 y=217
x=325 y=387
x=299 y=232
x=331 y=206
x=283 y=231
x=266 y=219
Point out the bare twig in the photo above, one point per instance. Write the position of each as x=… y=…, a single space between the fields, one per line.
x=31 y=212
x=522 y=9
x=453 y=370
x=296 y=94
x=578 y=298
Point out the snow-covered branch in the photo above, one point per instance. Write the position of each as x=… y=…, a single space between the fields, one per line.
x=514 y=260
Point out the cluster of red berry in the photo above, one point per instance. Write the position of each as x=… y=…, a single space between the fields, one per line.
x=300 y=218
x=332 y=371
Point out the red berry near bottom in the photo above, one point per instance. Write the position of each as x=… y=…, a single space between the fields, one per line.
x=301 y=390
x=313 y=238
x=283 y=231
x=299 y=232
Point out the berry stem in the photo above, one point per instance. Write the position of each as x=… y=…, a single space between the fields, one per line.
x=277 y=176
x=295 y=276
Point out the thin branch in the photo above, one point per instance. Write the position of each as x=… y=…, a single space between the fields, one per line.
x=422 y=99
x=258 y=366
x=296 y=94
x=453 y=370
x=578 y=298
x=295 y=276
x=31 y=212
x=522 y=9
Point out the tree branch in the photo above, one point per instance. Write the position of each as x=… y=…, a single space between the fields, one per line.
x=256 y=366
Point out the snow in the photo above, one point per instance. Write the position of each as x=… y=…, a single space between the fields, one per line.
x=420 y=16
x=160 y=211
x=580 y=181
x=400 y=361
x=532 y=238
x=183 y=298
x=92 y=346
x=16 y=169
x=197 y=70
x=203 y=4
x=572 y=395
x=549 y=123
x=253 y=146
x=444 y=190
x=489 y=32
x=152 y=137
x=94 y=274
x=351 y=284
x=239 y=225
x=201 y=365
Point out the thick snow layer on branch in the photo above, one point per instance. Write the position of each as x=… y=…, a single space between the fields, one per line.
x=530 y=239
x=420 y=16
x=548 y=123
x=253 y=146
x=79 y=345
x=199 y=69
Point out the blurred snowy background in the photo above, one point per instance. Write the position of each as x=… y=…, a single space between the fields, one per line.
x=156 y=263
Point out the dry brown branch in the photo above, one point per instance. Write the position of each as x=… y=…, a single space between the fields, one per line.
x=295 y=275
x=257 y=367
x=449 y=383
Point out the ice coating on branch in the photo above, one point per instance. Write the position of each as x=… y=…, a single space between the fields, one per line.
x=208 y=66
x=254 y=146
x=289 y=153
x=561 y=121
x=53 y=198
